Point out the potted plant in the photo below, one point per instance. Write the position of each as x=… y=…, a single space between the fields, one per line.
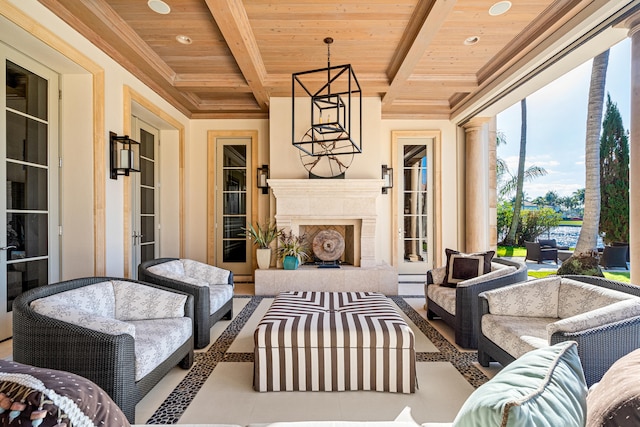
x=292 y=249
x=262 y=236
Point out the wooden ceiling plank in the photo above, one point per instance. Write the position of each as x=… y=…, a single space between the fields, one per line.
x=436 y=15
x=233 y=22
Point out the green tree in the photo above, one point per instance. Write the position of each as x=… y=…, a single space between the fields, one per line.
x=511 y=235
x=614 y=177
x=551 y=198
x=535 y=223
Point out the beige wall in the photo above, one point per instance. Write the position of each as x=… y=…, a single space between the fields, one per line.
x=275 y=149
x=76 y=207
x=196 y=178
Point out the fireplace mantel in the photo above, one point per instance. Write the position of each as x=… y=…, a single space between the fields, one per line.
x=331 y=201
x=350 y=202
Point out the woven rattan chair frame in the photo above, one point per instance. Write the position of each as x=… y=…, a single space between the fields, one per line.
x=107 y=360
x=204 y=320
x=598 y=347
x=464 y=323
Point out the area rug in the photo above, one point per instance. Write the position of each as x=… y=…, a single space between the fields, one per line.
x=218 y=388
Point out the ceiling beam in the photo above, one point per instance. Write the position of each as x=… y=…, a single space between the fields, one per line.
x=233 y=22
x=405 y=63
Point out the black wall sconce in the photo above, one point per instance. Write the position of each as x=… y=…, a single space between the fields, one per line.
x=387 y=176
x=263 y=176
x=125 y=155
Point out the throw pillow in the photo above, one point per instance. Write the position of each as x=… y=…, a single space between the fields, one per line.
x=41 y=397
x=544 y=387
x=615 y=400
x=461 y=266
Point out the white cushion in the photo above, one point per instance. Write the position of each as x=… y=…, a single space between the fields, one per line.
x=97 y=298
x=514 y=334
x=444 y=296
x=575 y=297
x=219 y=295
x=156 y=340
x=75 y=315
x=171 y=267
x=205 y=272
x=535 y=298
x=135 y=301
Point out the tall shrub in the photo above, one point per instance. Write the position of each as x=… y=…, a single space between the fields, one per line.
x=614 y=177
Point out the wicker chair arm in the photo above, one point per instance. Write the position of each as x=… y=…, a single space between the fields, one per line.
x=600 y=347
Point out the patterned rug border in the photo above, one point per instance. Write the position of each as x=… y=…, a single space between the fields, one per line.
x=170 y=411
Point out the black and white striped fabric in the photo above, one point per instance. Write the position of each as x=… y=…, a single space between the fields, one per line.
x=333 y=341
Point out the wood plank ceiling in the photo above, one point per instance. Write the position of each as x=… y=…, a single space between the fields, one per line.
x=410 y=53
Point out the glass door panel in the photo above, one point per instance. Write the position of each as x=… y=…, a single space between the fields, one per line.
x=233 y=252
x=26 y=154
x=415 y=219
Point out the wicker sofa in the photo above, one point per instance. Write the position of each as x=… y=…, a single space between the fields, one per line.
x=458 y=307
x=123 y=335
x=603 y=316
x=211 y=288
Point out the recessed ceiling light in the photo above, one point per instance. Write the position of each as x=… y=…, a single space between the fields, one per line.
x=184 y=39
x=159 y=6
x=499 y=8
x=471 y=40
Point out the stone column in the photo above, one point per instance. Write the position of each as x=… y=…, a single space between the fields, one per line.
x=634 y=152
x=477 y=184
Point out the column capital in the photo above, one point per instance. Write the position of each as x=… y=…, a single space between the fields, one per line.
x=476 y=122
x=633 y=24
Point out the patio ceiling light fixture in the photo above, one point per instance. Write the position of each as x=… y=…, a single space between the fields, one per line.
x=326 y=110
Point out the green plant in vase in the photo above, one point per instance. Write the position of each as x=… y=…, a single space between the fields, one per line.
x=262 y=235
x=292 y=249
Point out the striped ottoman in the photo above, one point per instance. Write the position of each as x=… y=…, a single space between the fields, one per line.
x=333 y=341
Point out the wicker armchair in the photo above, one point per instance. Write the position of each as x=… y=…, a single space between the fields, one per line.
x=604 y=331
x=462 y=313
x=538 y=252
x=207 y=309
x=107 y=359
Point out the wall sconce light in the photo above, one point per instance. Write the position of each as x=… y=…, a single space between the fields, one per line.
x=387 y=176
x=263 y=176
x=125 y=155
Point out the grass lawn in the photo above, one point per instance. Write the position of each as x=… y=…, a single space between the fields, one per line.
x=621 y=276
x=577 y=223
x=512 y=251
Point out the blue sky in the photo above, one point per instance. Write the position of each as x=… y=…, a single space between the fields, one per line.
x=556 y=124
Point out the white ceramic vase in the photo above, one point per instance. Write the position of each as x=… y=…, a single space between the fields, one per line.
x=264 y=258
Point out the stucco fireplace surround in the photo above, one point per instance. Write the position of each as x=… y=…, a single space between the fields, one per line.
x=347 y=203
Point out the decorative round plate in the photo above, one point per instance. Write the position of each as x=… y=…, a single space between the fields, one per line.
x=328 y=245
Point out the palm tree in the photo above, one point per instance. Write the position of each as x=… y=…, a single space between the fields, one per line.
x=588 y=238
x=511 y=235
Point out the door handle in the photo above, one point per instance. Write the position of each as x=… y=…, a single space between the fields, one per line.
x=6 y=248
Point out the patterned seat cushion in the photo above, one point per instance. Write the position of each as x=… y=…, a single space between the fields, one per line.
x=218 y=296
x=444 y=296
x=514 y=334
x=156 y=340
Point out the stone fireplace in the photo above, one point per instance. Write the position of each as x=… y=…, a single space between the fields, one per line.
x=349 y=206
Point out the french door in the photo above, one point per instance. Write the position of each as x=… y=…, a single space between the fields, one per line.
x=231 y=201
x=145 y=197
x=414 y=203
x=29 y=167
